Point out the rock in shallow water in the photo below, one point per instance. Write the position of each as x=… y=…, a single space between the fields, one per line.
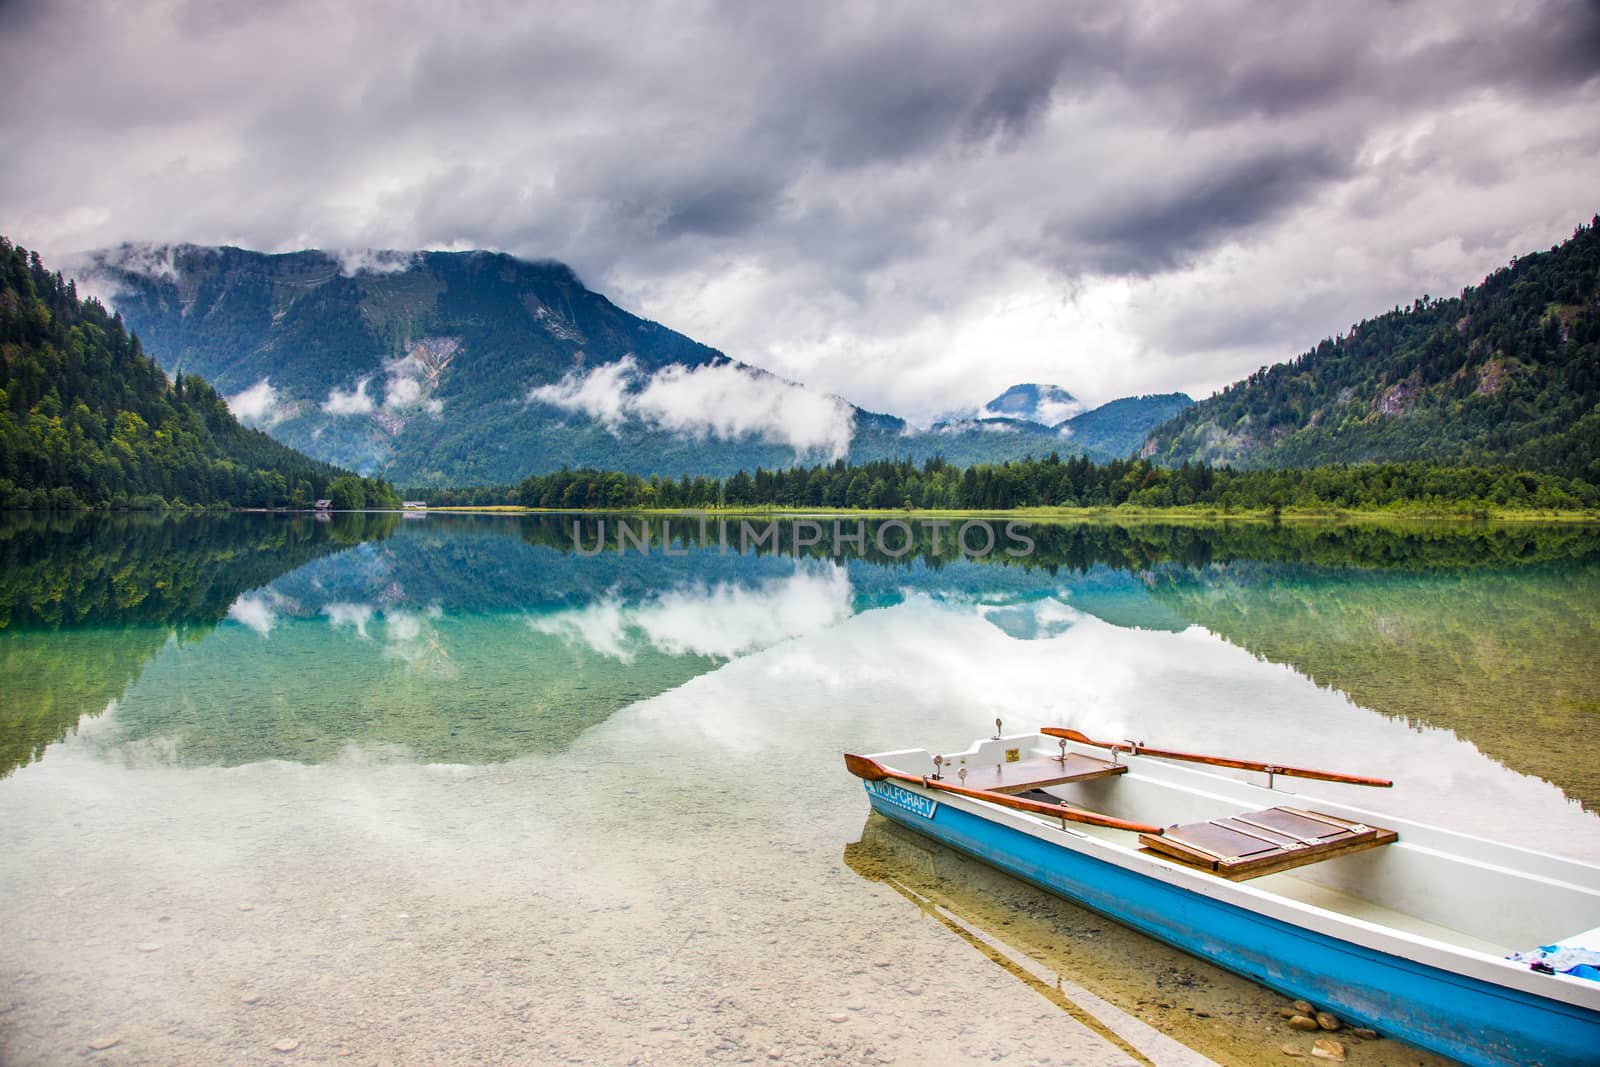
x=100 y=1044
x=1303 y=1022
x=288 y=1044
x=1326 y=1048
x=1304 y=1007
x=1294 y=1050
x=1328 y=1022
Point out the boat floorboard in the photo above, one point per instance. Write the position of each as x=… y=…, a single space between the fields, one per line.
x=1255 y=843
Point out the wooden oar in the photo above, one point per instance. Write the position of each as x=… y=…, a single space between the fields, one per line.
x=873 y=771
x=1215 y=761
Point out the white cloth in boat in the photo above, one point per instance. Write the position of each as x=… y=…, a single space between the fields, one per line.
x=1578 y=955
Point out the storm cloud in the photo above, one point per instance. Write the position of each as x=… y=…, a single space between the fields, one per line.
x=912 y=206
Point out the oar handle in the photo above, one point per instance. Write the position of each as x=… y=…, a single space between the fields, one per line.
x=871 y=770
x=1216 y=761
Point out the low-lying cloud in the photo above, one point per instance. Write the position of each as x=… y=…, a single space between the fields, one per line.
x=722 y=400
x=340 y=402
x=401 y=392
x=1048 y=411
x=354 y=261
x=258 y=405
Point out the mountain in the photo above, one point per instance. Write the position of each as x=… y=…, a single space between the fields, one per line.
x=1048 y=405
x=476 y=368
x=1120 y=427
x=86 y=418
x=1111 y=431
x=1506 y=373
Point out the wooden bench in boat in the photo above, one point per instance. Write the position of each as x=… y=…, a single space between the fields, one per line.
x=1035 y=773
x=1264 y=842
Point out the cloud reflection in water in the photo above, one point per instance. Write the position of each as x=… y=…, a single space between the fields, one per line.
x=721 y=620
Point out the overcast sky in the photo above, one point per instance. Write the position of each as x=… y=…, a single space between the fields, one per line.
x=912 y=205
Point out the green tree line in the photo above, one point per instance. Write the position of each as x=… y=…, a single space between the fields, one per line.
x=1075 y=482
x=88 y=420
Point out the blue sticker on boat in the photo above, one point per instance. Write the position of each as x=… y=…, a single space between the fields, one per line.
x=903 y=798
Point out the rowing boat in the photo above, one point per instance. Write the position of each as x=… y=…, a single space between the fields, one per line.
x=1388 y=923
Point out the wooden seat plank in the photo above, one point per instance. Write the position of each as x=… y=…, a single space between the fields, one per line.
x=1035 y=773
x=1264 y=842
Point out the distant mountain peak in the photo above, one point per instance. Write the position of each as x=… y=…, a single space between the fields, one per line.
x=1048 y=405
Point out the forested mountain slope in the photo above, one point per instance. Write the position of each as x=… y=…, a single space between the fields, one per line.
x=86 y=418
x=451 y=367
x=1506 y=373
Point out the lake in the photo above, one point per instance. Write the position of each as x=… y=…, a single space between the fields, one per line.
x=454 y=788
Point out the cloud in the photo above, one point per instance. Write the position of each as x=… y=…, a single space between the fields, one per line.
x=1159 y=224
x=257 y=405
x=152 y=261
x=354 y=261
x=1050 y=412
x=401 y=392
x=601 y=393
x=721 y=400
x=343 y=403
x=916 y=208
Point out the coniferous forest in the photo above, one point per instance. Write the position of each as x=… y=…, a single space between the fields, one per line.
x=88 y=420
x=1054 y=482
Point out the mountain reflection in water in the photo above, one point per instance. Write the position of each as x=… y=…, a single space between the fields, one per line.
x=469 y=639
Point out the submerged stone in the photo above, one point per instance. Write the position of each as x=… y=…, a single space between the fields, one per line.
x=1326 y=1048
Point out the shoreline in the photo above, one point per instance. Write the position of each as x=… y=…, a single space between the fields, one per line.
x=1120 y=515
x=1111 y=515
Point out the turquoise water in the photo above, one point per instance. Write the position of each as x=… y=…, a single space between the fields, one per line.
x=440 y=788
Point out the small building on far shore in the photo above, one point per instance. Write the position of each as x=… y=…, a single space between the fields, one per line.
x=414 y=505
x=324 y=505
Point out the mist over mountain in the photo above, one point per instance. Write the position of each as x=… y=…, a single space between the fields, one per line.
x=459 y=368
x=1046 y=404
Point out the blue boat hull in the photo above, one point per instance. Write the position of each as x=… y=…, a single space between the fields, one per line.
x=1455 y=1015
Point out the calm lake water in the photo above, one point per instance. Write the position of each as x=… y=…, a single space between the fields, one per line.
x=445 y=789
